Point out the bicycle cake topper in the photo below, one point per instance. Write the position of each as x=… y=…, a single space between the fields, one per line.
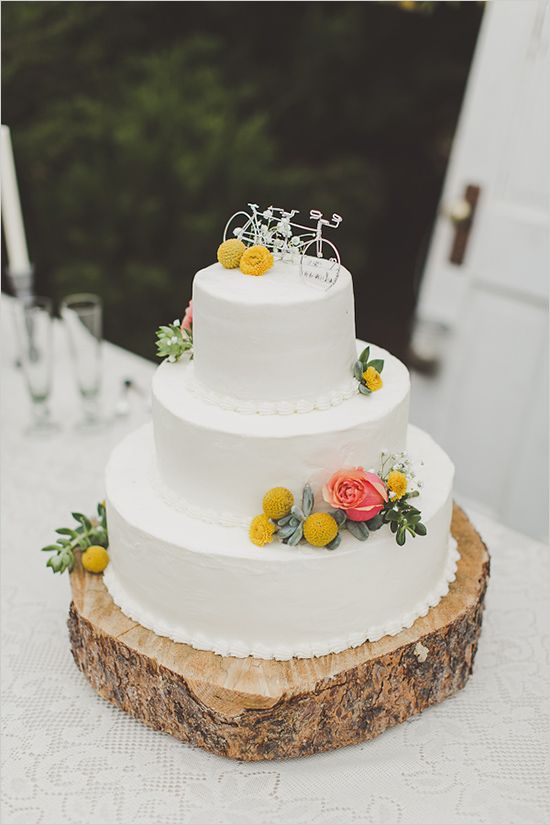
x=275 y=229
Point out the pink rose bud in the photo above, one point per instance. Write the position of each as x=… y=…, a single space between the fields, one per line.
x=188 y=317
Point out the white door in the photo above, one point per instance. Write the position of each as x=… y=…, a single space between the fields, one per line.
x=484 y=293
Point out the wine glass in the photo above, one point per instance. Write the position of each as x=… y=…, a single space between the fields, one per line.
x=82 y=316
x=34 y=332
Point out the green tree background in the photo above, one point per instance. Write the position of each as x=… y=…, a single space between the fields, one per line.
x=138 y=128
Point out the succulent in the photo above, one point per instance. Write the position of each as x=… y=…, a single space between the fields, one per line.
x=172 y=342
x=290 y=528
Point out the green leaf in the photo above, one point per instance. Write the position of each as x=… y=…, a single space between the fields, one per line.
x=364 y=390
x=65 y=531
x=307 y=500
x=297 y=513
x=334 y=543
x=339 y=516
x=420 y=529
x=393 y=526
x=84 y=521
x=401 y=537
x=364 y=357
x=55 y=563
x=376 y=522
x=377 y=363
x=50 y=548
x=358 y=529
x=286 y=531
x=358 y=370
x=296 y=536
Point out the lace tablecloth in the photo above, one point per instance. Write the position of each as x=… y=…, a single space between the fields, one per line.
x=69 y=757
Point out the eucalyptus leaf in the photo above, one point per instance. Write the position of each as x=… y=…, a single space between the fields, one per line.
x=339 y=516
x=281 y=522
x=297 y=512
x=296 y=536
x=286 y=532
x=334 y=543
x=364 y=390
x=358 y=370
x=307 y=500
x=358 y=530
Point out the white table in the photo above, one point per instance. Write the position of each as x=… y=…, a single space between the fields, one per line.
x=69 y=757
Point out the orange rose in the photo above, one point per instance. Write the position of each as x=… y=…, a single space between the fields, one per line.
x=360 y=494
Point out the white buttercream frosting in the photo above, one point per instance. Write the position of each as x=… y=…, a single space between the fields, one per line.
x=272 y=338
x=293 y=407
x=212 y=458
x=210 y=587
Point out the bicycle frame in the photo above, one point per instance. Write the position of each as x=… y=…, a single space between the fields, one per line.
x=275 y=229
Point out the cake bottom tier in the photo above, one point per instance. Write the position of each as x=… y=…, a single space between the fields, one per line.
x=206 y=585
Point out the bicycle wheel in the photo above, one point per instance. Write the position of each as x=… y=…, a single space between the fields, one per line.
x=320 y=263
x=238 y=226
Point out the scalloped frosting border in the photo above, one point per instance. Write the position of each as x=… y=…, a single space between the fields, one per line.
x=240 y=649
x=296 y=407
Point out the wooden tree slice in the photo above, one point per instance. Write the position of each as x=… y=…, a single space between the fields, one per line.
x=253 y=709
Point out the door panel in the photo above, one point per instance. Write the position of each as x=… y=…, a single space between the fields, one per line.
x=489 y=403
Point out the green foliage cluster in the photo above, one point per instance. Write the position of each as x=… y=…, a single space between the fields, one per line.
x=138 y=128
x=362 y=364
x=173 y=342
x=88 y=533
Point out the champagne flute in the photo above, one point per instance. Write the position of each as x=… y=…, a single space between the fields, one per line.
x=82 y=316
x=34 y=332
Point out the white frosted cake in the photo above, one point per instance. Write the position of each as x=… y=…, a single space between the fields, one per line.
x=258 y=515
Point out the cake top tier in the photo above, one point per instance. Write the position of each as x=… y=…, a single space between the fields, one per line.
x=281 y=285
x=274 y=338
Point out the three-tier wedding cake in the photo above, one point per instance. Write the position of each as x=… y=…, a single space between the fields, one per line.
x=279 y=504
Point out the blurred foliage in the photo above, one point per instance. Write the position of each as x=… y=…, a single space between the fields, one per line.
x=138 y=128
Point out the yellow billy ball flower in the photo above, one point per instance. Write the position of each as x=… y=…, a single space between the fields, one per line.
x=320 y=529
x=397 y=483
x=372 y=379
x=230 y=253
x=95 y=559
x=256 y=260
x=261 y=530
x=277 y=502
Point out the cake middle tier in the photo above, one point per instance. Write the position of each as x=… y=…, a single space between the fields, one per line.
x=216 y=464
